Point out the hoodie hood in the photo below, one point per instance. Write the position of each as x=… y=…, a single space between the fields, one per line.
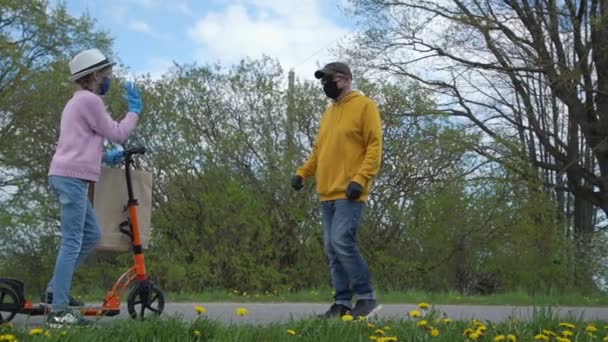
x=353 y=94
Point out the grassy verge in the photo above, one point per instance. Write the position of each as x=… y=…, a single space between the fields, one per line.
x=430 y=326
x=325 y=295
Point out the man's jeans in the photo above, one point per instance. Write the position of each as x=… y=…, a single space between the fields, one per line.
x=349 y=272
x=80 y=234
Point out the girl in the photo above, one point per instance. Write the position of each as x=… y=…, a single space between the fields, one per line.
x=76 y=163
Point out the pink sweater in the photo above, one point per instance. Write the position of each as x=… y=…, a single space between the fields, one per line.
x=84 y=124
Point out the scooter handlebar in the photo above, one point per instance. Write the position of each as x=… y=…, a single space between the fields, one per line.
x=135 y=150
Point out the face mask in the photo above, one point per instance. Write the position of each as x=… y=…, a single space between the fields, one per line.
x=331 y=89
x=105 y=85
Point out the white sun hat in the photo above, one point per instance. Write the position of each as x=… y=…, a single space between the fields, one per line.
x=87 y=62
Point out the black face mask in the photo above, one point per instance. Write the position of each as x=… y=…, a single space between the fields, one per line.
x=331 y=89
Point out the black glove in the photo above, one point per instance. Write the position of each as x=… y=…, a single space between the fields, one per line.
x=353 y=191
x=297 y=182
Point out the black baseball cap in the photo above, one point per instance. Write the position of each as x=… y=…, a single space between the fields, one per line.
x=332 y=69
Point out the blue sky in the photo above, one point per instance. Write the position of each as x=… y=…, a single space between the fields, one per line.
x=150 y=34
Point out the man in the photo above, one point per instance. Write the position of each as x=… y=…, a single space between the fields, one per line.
x=346 y=156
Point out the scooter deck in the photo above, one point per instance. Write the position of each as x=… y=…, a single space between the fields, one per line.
x=40 y=309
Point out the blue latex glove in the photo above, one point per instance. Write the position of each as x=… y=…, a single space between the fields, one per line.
x=113 y=157
x=132 y=96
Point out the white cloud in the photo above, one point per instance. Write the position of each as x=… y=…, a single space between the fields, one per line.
x=156 y=67
x=295 y=32
x=140 y=26
x=171 y=5
x=117 y=12
x=146 y=3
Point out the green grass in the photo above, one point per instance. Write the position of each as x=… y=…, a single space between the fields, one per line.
x=176 y=329
x=387 y=297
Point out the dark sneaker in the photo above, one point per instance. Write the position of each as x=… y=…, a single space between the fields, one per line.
x=64 y=319
x=366 y=308
x=47 y=298
x=336 y=310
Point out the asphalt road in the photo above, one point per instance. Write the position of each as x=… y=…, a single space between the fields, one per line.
x=267 y=313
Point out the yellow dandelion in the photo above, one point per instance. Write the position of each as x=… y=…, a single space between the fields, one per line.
x=567 y=325
x=373 y=338
x=387 y=339
x=422 y=323
x=200 y=309
x=197 y=332
x=468 y=332
x=591 y=328
x=386 y=328
x=8 y=337
x=541 y=337
x=347 y=318
x=47 y=333
x=424 y=306
x=511 y=338
x=499 y=338
x=36 y=331
x=549 y=333
x=567 y=333
x=371 y=325
x=379 y=332
x=242 y=311
x=562 y=339
x=474 y=336
x=482 y=328
x=291 y=332
x=415 y=313
x=447 y=321
x=434 y=332
x=477 y=323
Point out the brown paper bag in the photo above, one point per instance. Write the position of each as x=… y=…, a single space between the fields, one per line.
x=109 y=198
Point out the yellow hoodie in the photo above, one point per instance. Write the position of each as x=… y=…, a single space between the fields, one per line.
x=348 y=147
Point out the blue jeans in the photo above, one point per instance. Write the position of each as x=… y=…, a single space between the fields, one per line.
x=80 y=234
x=349 y=272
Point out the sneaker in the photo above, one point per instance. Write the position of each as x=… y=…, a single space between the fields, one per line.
x=47 y=298
x=336 y=310
x=366 y=308
x=67 y=318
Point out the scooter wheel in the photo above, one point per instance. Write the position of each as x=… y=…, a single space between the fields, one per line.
x=9 y=303
x=145 y=296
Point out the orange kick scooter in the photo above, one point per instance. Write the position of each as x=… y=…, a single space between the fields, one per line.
x=143 y=296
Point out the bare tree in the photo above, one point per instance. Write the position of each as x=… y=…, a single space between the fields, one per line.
x=531 y=75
